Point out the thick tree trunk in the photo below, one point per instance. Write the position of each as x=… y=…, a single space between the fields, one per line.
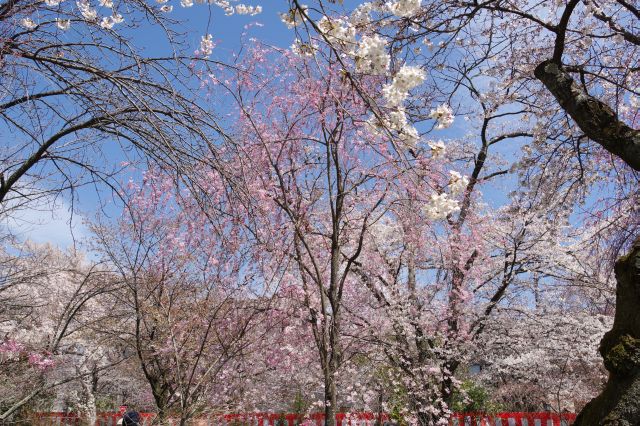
x=331 y=400
x=87 y=400
x=161 y=400
x=619 y=402
x=162 y=418
x=599 y=122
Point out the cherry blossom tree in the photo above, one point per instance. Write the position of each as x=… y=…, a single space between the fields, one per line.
x=314 y=161
x=494 y=54
x=188 y=304
x=51 y=341
x=536 y=366
x=409 y=180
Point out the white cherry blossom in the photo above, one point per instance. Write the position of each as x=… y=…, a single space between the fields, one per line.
x=457 y=182
x=372 y=56
x=438 y=148
x=293 y=17
x=405 y=79
x=243 y=9
x=206 y=45
x=440 y=206
x=443 y=114
x=63 y=24
x=303 y=49
x=28 y=23
x=338 y=31
x=87 y=12
x=404 y=8
x=107 y=22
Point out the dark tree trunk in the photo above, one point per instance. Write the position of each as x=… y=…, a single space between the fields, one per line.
x=160 y=397
x=599 y=122
x=330 y=395
x=619 y=402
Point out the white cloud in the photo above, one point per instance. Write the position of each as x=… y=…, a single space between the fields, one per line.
x=48 y=222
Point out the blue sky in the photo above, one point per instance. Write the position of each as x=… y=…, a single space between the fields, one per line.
x=51 y=221
x=58 y=226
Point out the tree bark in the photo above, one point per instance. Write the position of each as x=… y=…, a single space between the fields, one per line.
x=87 y=403
x=619 y=402
x=331 y=399
x=161 y=400
x=598 y=122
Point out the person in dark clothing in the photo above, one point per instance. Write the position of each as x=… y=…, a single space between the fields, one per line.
x=131 y=418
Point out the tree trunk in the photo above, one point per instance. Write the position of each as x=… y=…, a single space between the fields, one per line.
x=87 y=400
x=330 y=395
x=161 y=403
x=619 y=402
x=599 y=122
x=162 y=417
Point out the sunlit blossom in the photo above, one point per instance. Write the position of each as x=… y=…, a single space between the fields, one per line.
x=404 y=8
x=206 y=45
x=443 y=114
x=63 y=24
x=28 y=23
x=438 y=148
x=405 y=79
x=457 y=182
x=440 y=206
x=293 y=17
x=372 y=56
x=88 y=13
x=338 y=31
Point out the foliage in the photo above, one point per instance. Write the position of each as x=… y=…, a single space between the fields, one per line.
x=474 y=398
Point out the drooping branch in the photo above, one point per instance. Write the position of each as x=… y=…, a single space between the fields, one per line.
x=595 y=118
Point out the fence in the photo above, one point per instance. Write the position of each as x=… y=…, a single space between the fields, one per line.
x=513 y=419
x=342 y=419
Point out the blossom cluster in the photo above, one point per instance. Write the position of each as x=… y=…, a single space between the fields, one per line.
x=438 y=148
x=396 y=121
x=13 y=350
x=206 y=45
x=225 y=5
x=457 y=182
x=361 y=14
x=243 y=9
x=303 y=49
x=108 y=22
x=11 y=347
x=91 y=15
x=405 y=79
x=372 y=56
x=443 y=114
x=294 y=17
x=338 y=31
x=40 y=362
x=440 y=206
x=404 y=8
x=28 y=24
x=88 y=13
